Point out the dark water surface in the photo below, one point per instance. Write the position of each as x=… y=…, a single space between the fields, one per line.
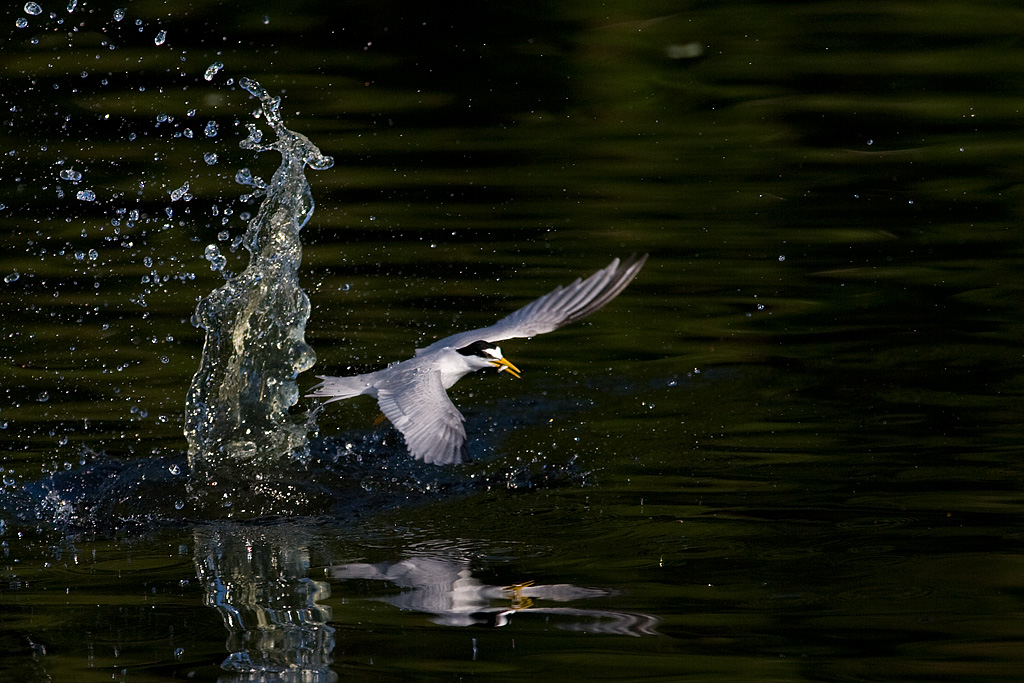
x=791 y=450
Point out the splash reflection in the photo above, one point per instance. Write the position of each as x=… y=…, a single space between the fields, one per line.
x=257 y=579
x=445 y=588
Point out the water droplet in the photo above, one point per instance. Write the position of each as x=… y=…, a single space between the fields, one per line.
x=782 y=257
x=211 y=129
x=33 y=8
x=93 y=254
x=165 y=360
x=244 y=177
x=21 y=22
x=161 y=36
x=72 y=4
x=148 y=262
x=86 y=195
x=12 y=277
x=179 y=193
x=179 y=653
x=216 y=259
x=119 y=14
x=43 y=397
x=70 y=174
x=212 y=70
x=210 y=158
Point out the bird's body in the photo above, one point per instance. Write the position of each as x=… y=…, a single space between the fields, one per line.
x=412 y=393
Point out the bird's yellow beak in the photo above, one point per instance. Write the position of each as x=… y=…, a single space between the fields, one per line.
x=503 y=364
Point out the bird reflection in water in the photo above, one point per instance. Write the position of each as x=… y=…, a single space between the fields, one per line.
x=257 y=578
x=446 y=589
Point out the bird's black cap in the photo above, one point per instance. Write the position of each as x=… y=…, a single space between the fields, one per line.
x=476 y=348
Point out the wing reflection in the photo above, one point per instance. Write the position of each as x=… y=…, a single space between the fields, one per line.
x=446 y=589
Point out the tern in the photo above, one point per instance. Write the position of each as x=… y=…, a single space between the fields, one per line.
x=412 y=393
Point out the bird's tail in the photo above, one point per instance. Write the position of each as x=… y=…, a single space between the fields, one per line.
x=337 y=388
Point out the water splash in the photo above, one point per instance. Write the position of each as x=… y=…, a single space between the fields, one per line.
x=236 y=416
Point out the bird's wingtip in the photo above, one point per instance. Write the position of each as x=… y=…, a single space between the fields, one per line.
x=637 y=260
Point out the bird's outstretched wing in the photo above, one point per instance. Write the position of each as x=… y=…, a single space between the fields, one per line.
x=419 y=407
x=557 y=308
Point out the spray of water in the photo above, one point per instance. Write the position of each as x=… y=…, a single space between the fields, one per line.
x=236 y=419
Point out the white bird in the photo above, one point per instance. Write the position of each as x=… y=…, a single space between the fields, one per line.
x=413 y=395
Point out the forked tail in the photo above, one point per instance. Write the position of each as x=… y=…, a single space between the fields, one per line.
x=337 y=388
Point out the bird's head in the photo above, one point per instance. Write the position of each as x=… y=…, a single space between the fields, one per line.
x=487 y=354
